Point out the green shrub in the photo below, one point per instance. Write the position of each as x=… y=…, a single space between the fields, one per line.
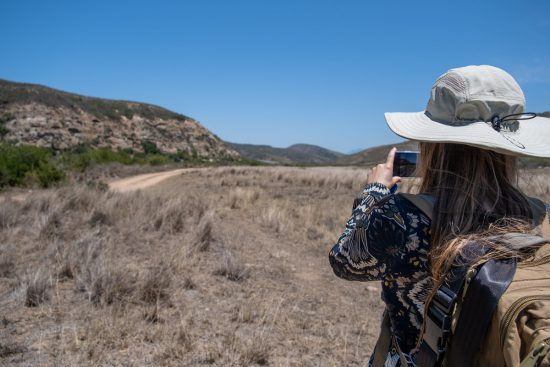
x=180 y=156
x=27 y=165
x=129 y=151
x=83 y=157
x=149 y=147
x=157 y=159
x=7 y=116
x=3 y=131
x=3 y=119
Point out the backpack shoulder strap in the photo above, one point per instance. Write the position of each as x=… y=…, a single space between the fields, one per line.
x=477 y=308
x=486 y=287
x=518 y=241
x=538 y=208
x=488 y=282
x=439 y=316
x=424 y=202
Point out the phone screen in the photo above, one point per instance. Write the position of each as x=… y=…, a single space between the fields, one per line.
x=404 y=163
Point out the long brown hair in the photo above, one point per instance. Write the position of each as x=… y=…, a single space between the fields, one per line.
x=475 y=191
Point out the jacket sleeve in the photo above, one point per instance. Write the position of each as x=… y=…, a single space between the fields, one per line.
x=377 y=239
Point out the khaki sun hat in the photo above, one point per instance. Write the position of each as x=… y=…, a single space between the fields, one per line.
x=476 y=105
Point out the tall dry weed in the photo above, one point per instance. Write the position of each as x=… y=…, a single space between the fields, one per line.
x=254 y=351
x=9 y=214
x=274 y=218
x=231 y=268
x=155 y=285
x=95 y=273
x=204 y=234
x=239 y=198
x=7 y=265
x=37 y=288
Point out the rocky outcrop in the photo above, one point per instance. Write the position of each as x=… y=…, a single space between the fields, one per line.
x=37 y=115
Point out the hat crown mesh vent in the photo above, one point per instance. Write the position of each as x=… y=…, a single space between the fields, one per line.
x=454 y=82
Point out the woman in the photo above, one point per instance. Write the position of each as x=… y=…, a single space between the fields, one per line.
x=470 y=134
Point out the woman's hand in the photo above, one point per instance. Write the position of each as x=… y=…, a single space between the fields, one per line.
x=383 y=173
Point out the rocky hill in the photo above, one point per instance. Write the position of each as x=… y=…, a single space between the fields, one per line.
x=294 y=154
x=42 y=116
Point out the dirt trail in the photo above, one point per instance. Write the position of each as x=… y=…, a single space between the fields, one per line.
x=145 y=180
x=126 y=184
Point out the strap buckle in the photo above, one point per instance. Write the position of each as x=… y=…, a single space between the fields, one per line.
x=439 y=320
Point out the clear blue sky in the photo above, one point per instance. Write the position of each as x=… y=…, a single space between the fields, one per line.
x=275 y=72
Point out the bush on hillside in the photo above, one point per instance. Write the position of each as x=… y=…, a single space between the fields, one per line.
x=82 y=157
x=3 y=119
x=158 y=160
x=149 y=147
x=27 y=166
x=3 y=131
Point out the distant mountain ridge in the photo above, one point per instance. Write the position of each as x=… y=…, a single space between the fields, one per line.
x=42 y=116
x=313 y=154
x=294 y=154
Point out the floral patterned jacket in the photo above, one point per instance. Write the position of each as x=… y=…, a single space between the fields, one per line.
x=387 y=239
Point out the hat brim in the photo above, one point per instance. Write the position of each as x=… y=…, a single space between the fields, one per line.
x=531 y=139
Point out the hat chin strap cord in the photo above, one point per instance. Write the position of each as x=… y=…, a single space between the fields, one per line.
x=496 y=121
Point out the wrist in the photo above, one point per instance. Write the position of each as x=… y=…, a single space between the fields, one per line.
x=376 y=187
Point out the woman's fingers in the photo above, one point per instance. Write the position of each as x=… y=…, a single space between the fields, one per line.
x=391 y=156
x=383 y=172
x=372 y=174
x=395 y=180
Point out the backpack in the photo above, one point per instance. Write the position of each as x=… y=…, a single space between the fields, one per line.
x=492 y=314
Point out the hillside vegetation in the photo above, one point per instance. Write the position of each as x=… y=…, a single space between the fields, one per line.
x=38 y=167
x=41 y=116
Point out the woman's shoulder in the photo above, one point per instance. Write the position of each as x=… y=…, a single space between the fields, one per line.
x=401 y=212
x=422 y=203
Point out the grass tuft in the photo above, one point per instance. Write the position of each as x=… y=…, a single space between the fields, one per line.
x=188 y=282
x=256 y=351
x=204 y=235
x=231 y=268
x=7 y=265
x=37 y=288
x=156 y=284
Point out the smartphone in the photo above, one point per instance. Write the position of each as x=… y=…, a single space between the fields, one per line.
x=404 y=163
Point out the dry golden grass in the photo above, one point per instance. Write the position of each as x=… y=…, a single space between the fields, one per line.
x=222 y=266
